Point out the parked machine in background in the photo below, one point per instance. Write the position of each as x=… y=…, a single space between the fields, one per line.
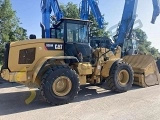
x=63 y=60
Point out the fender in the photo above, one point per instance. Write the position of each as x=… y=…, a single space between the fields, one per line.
x=47 y=60
x=108 y=66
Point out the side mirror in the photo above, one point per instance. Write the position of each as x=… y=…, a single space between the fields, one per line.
x=32 y=36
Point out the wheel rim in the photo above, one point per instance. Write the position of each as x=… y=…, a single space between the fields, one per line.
x=62 y=86
x=123 y=77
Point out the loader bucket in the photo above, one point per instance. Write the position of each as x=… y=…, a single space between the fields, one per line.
x=145 y=69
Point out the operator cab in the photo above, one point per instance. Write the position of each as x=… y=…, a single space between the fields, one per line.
x=75 y=34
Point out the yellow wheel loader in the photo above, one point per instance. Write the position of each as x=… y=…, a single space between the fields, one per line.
x=60 y=64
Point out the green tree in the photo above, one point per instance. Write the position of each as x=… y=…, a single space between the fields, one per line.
x=70 y=10
x=9 y=26
x=96 y=31
x=144 y=44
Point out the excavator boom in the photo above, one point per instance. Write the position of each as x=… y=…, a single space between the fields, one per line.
x=47 y=6
x=93 y=5
x=128 y=19
x=156 y=10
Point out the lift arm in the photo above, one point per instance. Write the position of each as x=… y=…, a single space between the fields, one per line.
x=47 y=6
x=84 y=12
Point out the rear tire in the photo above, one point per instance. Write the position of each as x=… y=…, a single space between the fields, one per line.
x=121 y=77
x=60 y=85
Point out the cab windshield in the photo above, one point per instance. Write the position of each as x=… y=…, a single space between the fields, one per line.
x=77 y=33
x=71 y=31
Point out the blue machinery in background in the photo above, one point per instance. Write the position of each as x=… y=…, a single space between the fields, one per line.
x=47 y=6
x=156 y=10
x=127 y=21
x=84 y=11
x=126 y=25
x=128 y=18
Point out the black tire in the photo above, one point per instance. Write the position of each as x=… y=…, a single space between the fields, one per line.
x=54 y=77
x=123 y=84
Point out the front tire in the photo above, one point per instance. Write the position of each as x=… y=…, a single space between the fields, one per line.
x=121 y=77
x=60 y=85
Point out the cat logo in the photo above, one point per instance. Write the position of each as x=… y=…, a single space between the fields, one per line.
x=54 y=46
x=58 y=46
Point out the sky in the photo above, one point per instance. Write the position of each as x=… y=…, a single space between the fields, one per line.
x=29 y=13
